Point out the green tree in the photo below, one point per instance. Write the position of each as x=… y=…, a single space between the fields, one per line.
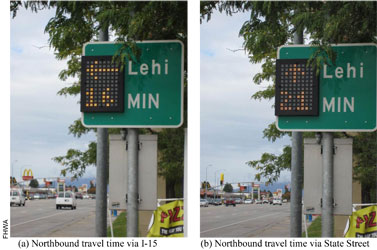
x=269 y=194
x=92 y=188
x=76 y=23
x=228 y=188
x=273 y=24
x=34 y=183
x=206 y=183
x=287 y=196
x=13 y=181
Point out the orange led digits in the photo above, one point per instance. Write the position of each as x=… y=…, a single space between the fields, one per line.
x=296 y=88
x=102 y=85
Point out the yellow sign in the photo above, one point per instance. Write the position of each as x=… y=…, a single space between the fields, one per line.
x=27 y=175
x=363 y=223
x=167 y=220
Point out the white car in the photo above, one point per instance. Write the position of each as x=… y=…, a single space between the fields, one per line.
x=277 y=202
x=203 y=203
x=17 y=197
x=66 y=199
x=248 y=201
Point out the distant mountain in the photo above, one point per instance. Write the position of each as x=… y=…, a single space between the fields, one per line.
x=79 y=182
x=76 y=183
x=271 y=187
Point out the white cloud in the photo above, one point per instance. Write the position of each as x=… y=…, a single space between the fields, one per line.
x=39 y=117
x=232 y=123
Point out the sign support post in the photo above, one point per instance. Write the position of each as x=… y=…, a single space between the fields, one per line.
x=296 y=171
x=102 y=168
x=147 y=92
x=133 y=192
x=327 y=184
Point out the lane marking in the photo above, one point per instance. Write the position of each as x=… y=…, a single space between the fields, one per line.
x=213 y=229
x=22 y=223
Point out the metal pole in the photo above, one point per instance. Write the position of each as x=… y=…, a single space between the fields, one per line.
x=296 y=170
x=102 y=168
x=215 y=191
x=327 y=184
x=133 y=185
x=206 y=183
x=185 y=190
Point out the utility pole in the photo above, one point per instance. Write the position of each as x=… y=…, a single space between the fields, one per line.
x=102 y=168
x=327 y=184
x=296 y=170
x=185 y=190
x=206 y=183
x=133 y=185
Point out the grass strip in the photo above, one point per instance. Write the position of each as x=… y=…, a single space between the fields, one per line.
x=119 y=226
x=315 y=229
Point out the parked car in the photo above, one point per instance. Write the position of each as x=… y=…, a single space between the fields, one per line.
x=51 y=196
x=30 y=197
x=285 y=201
x=85 y=196
x=230 y=202
x=277 y=202
x=258 y=202
x=17 y=197
x=238 y=201
x=265 y=201
x=37 y=196
x=79 y=195
x=217 y=202
x=66 y=199
x=248 y=201
x=203 y=203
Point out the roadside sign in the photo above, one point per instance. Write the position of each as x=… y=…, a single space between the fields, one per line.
x=313 y=172
x=347 y=90
x=296 y=91
x=27 y=175
x=152 y=94
x=147 y=172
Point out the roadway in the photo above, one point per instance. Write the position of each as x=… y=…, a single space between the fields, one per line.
x=40 y=218
x=245 y=220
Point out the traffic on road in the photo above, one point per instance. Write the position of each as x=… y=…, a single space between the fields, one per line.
x=256 y=219
x=51 y=217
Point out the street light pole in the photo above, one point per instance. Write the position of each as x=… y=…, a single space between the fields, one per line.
x=12 y=169
x=102 y=167
x=206 y=183
x=296 y=170
x=216 y=180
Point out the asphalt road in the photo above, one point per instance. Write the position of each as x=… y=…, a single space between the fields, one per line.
x=40 y=218
x=245 y=220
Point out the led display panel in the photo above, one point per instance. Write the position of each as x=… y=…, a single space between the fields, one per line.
x=296 y=88
x=102 y=84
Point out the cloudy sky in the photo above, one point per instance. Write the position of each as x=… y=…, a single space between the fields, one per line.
x=231 y=123
x=39 y=117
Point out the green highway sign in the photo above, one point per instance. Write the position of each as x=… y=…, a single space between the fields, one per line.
x=347 y=90
x=152 y=93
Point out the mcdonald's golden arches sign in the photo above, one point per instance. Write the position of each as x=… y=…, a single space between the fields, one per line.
x=27 y=175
